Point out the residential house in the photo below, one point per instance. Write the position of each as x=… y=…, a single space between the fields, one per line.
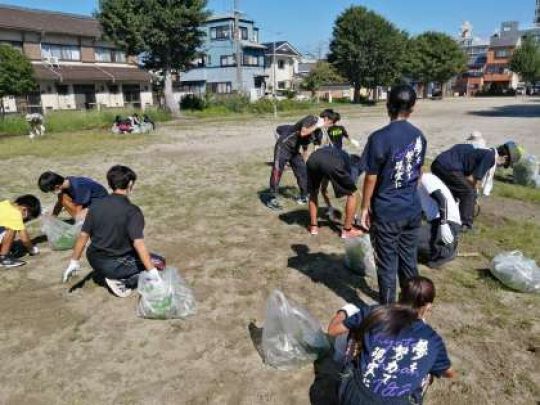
x=476 y=49
x=73 y=66
x=282 y=60
x=217 y=70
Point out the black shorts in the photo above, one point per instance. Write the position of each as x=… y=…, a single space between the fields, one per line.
x=333 y=164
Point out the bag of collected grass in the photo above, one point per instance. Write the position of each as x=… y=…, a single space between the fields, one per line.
x=60 y=234
x=167 y=298
x=526 y=171
x=291 y=337
x=359 y=256
x=516 y=271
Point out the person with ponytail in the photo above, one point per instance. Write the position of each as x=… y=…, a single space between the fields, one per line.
x=392 y=352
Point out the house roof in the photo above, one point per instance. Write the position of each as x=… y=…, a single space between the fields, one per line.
x=92 y=73
x=227 y=17
x=26 y=19
x=282 y=48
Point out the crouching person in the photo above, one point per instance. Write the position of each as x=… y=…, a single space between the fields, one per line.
x=438 y=239
x=393 y=353
x=13 y=216
x=114 y=226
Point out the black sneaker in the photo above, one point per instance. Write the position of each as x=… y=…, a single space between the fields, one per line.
x=302 y=200
x=274 y=204
x=9 y=261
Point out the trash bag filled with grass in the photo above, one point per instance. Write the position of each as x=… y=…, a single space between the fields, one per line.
x=169 y=299
x=516 y=271
x=359 y=256
x=60 y=235
x=291 y=337
x=526 y=171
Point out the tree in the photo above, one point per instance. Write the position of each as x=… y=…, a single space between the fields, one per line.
x=367 y=49
x=165 y=32
x=323 y=73
x=434 y=57
x=16 y=74
x=526 y=61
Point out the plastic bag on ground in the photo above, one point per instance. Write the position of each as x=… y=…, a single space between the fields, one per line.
x=169 y=299
x=60 y=234
x=291 y=336
x=526 y=171
x=360 y=257
x=516 y=271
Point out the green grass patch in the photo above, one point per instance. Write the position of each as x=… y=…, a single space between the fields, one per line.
x=516 y=192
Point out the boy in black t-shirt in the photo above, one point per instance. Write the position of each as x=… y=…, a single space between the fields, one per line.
x=287 y=150
x=390 y=206
x=115 y=227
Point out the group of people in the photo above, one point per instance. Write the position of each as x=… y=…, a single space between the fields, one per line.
x=133 y=124
x=113 y=225
x=391 y=348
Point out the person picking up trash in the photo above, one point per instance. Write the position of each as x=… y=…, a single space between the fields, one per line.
x=287 y=150
x=391 y=208
x=438 y=240
x=75 y=194
x=13 y=216
x=392 y=354
x=114 y=226
x=464 y=169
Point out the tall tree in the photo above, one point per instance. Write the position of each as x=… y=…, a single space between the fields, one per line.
x=322 y=73
x=165 y=32
x=16 y=75
x=434 y=57
x=367 y=49
x=526 y=61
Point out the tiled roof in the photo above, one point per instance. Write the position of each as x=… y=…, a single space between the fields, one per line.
x=92 y=73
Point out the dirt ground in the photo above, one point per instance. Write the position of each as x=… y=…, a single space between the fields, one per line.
x=198 y=187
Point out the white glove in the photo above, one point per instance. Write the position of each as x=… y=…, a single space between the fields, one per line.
x=320 y=123
x=446 y=234
x=34 y=251
x=74 y=267
x=355 y=143
x=152 y=276
x=350 y=309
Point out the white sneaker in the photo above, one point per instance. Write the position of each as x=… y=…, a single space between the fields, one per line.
x=118 y=288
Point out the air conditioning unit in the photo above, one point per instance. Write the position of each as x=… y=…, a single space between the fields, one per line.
x=52 y=61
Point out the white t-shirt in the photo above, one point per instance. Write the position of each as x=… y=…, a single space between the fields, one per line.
x=430 y=183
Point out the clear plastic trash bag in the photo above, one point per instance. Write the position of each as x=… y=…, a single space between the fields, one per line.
x=60 y=234
x=169 y=299
x=360 y=257
x=516 y=271
x=526 y=171
x=291 y=336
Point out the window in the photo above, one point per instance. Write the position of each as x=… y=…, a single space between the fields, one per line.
x=502 y=53
x=281 y=64
x=496 y=69
x=220 y=33
x=228 y=60
x=256 y=35
x=110 y=55
x=62 y=52
x=251 y=60
x=62 y=89
x=15 y=44
x=281 y=85
x=113 y=89
x=244 y=33
x=220 y=88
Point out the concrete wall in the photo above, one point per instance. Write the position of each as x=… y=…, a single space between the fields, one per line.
x=219 y=75
x=32 y=50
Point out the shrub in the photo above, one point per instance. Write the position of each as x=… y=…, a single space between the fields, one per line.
x=193 y=103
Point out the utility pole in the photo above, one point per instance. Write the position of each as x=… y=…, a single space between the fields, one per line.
x=238 y=46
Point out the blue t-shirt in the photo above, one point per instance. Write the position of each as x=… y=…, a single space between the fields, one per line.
x=467 y=159
x=395 y=154
x=83 y=191
x=397 y=366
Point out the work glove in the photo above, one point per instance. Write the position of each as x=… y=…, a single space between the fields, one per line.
x=152 y=276
x=320 y=123
x=74 y=267
x=446 y=234
x=34 y=251
x=355 y=143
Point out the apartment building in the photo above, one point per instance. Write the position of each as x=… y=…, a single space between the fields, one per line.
x=217 y=70
x=73 y=66
x=476 y=49
x=282 y=62
x=497 y=74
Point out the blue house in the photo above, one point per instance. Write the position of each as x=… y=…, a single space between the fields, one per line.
x=216 y=70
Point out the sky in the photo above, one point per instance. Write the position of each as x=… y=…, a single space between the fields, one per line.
x=307 y=24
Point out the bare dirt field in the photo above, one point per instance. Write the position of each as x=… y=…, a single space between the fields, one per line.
x=198 y=187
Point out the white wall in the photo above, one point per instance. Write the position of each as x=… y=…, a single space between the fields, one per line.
x=282 y=75
x=146 y=97
x=10 y=105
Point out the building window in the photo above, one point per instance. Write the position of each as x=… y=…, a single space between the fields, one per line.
x=502 y=53
x=110 y=55
x=281 y=85
x=251 y=60
x=62 y=89
x=61 y=52
x=15 y=44
x=256 y=35
x=228 y=60
x=496 y=69
x=113 y=89
x=244 y=33
x=220 y=88
x=281 y=64
x=220 y=33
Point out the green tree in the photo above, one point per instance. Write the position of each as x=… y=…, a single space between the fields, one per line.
x=16 y=74
x=526 y=61
x=434 y=57
x=323 y=73
x=166 y=33
x=367 y=49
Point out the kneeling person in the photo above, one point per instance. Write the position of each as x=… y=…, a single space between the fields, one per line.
x=115 y=227
x=75 y=194
x=333 y=164
x=438 y=240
